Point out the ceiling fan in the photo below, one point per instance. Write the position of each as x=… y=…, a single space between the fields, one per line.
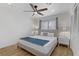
x=35 y=9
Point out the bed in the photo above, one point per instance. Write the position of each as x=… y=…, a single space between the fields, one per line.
x=39 y=50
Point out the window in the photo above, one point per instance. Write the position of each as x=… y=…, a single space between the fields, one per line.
x=52 y=25
x=48 y=25
x=44 y=25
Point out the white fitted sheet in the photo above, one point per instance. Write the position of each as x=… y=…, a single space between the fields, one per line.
x=39 y=50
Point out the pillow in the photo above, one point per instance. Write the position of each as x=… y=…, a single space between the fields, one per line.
x=34 y=32
x=51 y=34
x=41 y=34
x=44 y=34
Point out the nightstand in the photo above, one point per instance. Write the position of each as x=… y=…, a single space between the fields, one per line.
x=64 y=38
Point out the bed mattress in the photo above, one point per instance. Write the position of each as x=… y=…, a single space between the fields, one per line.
x=39 y=50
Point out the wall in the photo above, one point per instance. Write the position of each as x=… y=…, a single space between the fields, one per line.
x=75 y=31
x=35 y=29
x=64 y=20
x=14 y=24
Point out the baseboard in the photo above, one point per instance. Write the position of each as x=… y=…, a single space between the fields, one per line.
x=6 y=45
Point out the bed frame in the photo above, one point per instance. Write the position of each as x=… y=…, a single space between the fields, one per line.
x=36 y=52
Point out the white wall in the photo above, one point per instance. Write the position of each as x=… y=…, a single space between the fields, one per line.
x=14 y=24
x=64 y=20
x=75 y=32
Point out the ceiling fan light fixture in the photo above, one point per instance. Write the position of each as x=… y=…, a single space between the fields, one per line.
x=35 y=13
x=35 y=6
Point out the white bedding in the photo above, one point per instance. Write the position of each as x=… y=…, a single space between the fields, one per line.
x=39 y=50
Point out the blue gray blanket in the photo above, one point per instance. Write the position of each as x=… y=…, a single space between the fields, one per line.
x=35 y=41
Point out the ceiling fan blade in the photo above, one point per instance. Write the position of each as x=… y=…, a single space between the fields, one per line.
x=28 y=11
x=43 y=9
x=35 y=9
x=40 y=13
x=32 y=6
x=33 y=14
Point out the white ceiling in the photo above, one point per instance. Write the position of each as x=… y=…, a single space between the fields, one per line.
x=54 y=8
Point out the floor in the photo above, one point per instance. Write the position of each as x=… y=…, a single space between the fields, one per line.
x=14 y=51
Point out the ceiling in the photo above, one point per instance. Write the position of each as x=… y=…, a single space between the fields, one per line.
x=53 y=8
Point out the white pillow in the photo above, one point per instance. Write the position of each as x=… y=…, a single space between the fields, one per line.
x=51 y=34
x=44 y=33
x=34 y=32
x=41 y=33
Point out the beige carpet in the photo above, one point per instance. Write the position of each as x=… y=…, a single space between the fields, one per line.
x=14 y=51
